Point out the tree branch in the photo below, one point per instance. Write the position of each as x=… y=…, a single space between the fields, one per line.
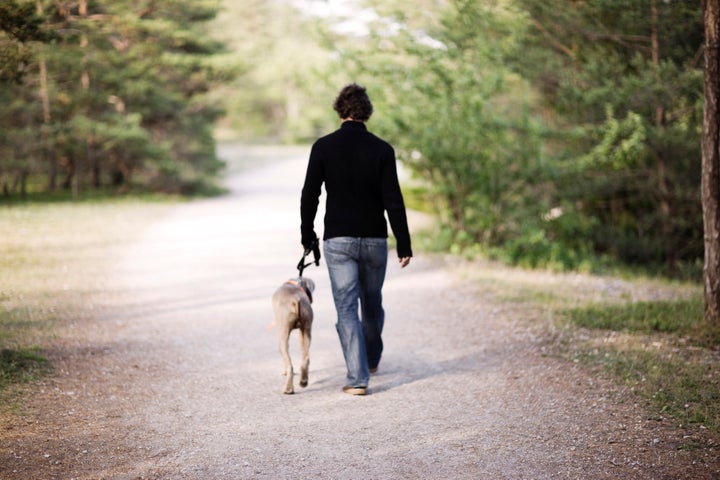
x=553 y=41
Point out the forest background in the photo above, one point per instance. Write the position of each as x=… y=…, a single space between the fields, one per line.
x=559 y=134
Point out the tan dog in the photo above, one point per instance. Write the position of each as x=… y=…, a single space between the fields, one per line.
x=291 y=306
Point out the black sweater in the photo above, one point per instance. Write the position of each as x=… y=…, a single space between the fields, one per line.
x=361 y=181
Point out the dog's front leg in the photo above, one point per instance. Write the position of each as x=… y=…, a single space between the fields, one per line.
x=283 y=346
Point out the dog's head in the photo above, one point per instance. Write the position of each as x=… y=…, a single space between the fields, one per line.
x=307 y=284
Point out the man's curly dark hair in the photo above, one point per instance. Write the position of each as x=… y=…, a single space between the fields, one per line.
x=353 y=102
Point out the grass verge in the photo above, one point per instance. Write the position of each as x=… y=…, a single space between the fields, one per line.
x=683 y=318
x=21 y=366
x=54 y=262
x=647 y=334
x=663 y=350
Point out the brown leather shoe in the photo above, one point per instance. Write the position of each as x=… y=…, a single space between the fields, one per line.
x=354 y=390
x=373 y=370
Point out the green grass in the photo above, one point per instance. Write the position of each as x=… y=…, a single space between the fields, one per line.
x=681 y=317
x=663 y=350
x=21 y=366
x=679 y=383
x=86 y=196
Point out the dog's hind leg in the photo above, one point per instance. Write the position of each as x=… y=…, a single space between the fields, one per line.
x=283 y=346
x=305 y=366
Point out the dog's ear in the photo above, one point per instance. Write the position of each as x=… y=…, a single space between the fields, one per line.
x=309 y=284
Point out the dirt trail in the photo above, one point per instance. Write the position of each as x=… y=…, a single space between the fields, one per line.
x=178 y=377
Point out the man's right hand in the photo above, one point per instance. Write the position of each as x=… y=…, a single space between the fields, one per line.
x=316 y=252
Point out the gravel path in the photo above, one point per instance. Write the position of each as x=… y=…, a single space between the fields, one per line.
x=179 y=377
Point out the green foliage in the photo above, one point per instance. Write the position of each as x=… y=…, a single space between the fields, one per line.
x=549 y=134
x=19 y=25
x=20 y=21
x=126 y=104
x=457 y=116
x=622 y=144
x=625 y=86
x=287 y=84
x=552 y=135
x=558 y=244
x=548 y=137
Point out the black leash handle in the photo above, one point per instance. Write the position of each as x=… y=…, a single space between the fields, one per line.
x=315 y=249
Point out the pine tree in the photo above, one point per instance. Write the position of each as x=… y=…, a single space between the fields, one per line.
x=123 y=97
x=623 y=80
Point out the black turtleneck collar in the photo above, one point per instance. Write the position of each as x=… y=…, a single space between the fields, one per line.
x=353 y=124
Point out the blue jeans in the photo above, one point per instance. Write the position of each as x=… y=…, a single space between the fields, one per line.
x=357 y=272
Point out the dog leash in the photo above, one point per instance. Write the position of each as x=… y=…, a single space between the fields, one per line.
x=315 y=249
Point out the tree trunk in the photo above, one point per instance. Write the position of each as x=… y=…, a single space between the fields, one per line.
x=70 y=175
x=94 y=164
x=85 y=82
x=53 y=173
x=666 y=213
x=22 y=180
x=45 y=99
x=711 y=163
